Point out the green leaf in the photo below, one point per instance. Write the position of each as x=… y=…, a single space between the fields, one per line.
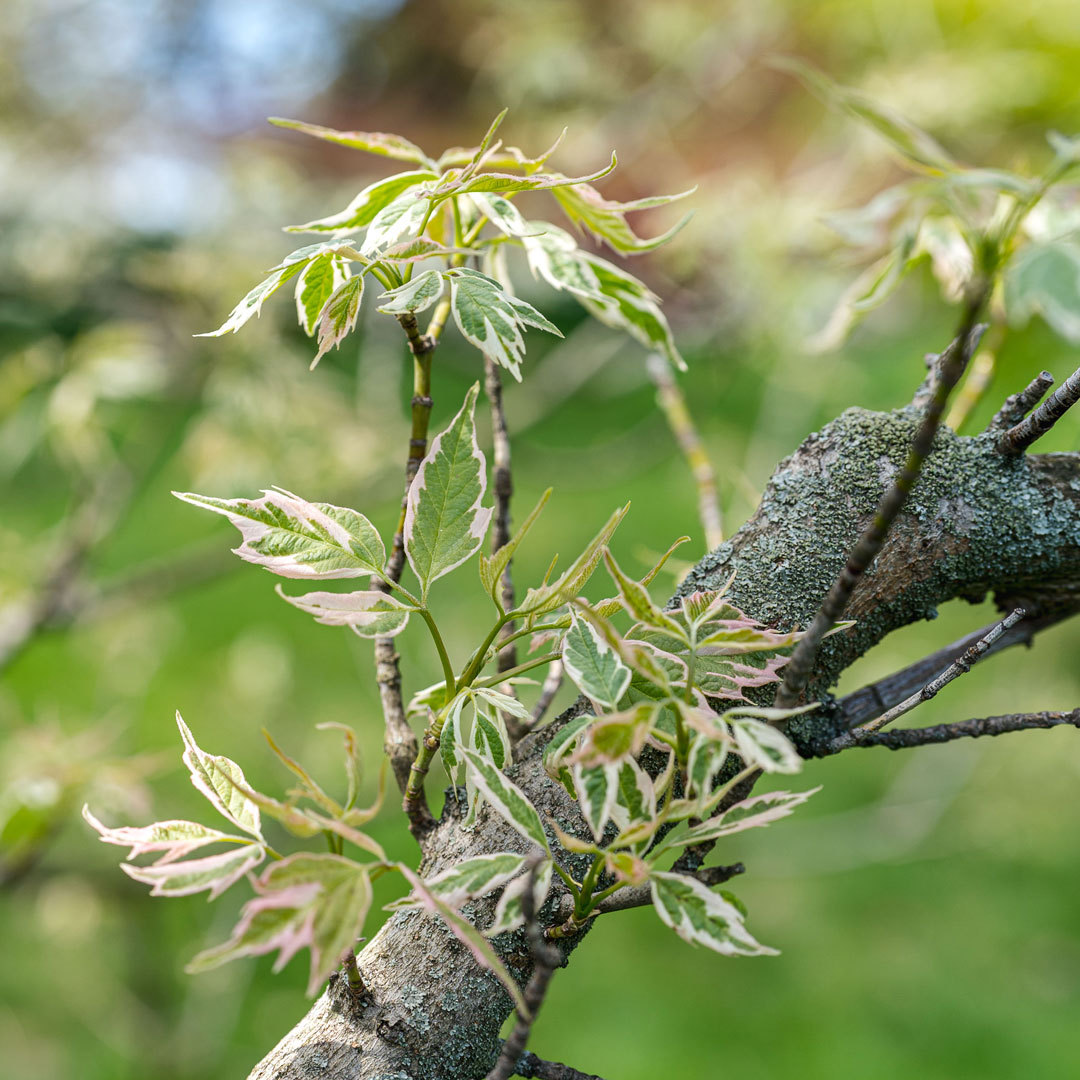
x=399 y=220
x=1044 y=279
x=297 y=539
x=503 y=214
x=569 y=586
x=304 y=256
x=415 y=295
x=505 y=797
x=311 y=788
x=362 y=210
x=588 y=210
x=762 y=744
x=318 y=902
x=915 y=146
x=174 y=839
x=636 y=791
x=635 y=598
x=561 y=744
x=554 y=255
x=444 y=520
x=475 y=877
x=373 y=142
x=597 y=787
x=506 y=183
x=314 y=288
x=212 y=873
x=592 y=664
x=702 y=917
x=748 y=814
x=338 y=315
x=368 y=613
x=492 y=566
x=615 y=737
x=213 y=777
x=252 y=304
x=492 y=319
x=508 y=912
x=506 y=157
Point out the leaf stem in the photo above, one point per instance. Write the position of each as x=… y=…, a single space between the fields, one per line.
x=448 y=668
x=494 y=680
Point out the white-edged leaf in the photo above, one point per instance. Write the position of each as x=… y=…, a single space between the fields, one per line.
x=763 y=745
x=748 y=814
x=475 y=877
x=592 y=664
x=492 y=319
x=174 y=839
x=469 y=936
x=503 y=702
x=297 y=539
x=368 y=613
x=314 y=288
x=338 y=315
x=372 y=142
x=415 y=295
x=252 y=304
x=562 y=744
x=502 y=213
x=597 y=787
x=614 y=737
x=398 y=220
x=703 y=917
x=505 y=797
x=318 y=902
x=212 y=873
x=444 y=520
x=606 y=220
x=508 y=913
x=215 y=777
x=362 y=210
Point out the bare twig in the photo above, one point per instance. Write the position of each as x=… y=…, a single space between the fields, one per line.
x=950 y=368
x=1019 y=437
x=960 y=666
x=552 y=682
x=546 y=958
x=673 y=405
x=869 y=702
x=533 y=1068
x=905 y=738
x=978 y=380
x=1017 y=406
x=400 y=741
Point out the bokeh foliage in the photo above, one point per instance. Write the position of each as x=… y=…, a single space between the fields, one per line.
x=925 y=904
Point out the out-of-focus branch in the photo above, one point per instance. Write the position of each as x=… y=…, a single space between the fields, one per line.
x=673 y=405
x=552 y=682
x=533 y=1068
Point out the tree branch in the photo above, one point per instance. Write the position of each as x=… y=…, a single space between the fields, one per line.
x=950 y=368
x=1019 y=437
x=641 y=895
x=905 y=738
x=533 y=1068
x=1017 y=406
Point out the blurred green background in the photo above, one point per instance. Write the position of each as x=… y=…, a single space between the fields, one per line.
x=925 y=904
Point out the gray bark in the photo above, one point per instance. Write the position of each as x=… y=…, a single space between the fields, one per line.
x=978 y=522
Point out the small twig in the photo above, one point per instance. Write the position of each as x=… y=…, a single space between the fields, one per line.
x=672 y=404
x=357 y=989
x=960 y=666
x=400 y=741
x=641 y=895
x=1019 y=437
x=950 y=368
x=546 y=958
x=905 y=738
x=1017 y=406
x=552 y=682
x=533 y=1068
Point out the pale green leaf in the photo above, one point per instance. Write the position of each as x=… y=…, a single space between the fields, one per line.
x=1044 y=279
x=475 y=877
x=492 y=566
x=399 y=220
x=173 y=839
x=212 y=873
x=505 y=797
x=606 y=220
x=593 y=665
x=508 y=912
x=748 y=814
x=415 y=295
x=252 y=304
x=373 y=142
x=763 y=745
x=338 y=315
x=314 y=288
x=368 y=613
x=597 y=787
x=362 y=210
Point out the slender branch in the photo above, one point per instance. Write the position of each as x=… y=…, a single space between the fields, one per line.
x=869 y=702
x=977 y=382
x=400 y=742
x=533 y=1068
x=672 y=404
x=960 y=666
x=552 y=682
x=905 y=738
x=1017 y=406
x=1019 y=437
x=950 y=368
x=546 y=958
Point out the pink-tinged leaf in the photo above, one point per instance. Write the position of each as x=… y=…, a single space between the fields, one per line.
x=475 y=877
x=445 y=522
x=318 y=902
x=748 y=814
x=372 y=142
x=369 y=613
x=339 y=315
x=626 y=867
x=508 y=913
x=702 y=917
x=469 y=936
x=217 y=778
x=174 y=839
x=294 y=538
x=616 y=736
x=606 y=220
x=763 y=745
x=213 y=873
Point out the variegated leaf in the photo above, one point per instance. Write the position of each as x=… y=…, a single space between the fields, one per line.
x=398 y=220
x=606 y=220
x=362 y=210
x=615 y=737
x=475 y=877
x=593 y=665
x=338 y=315
x=444 y=520
x=597 y=787
x=373 y=142
x=703 y=917
x=174 y=839
x=492 y=566
x=562 y=744
x=505 y=797
x=415 y=295
x=639 y=604
x=212 y=873
x=763 y=745
x=508 y=913
x=215 y=777
x=748 y=814
x=314 y=288
x=368 y=613
x=297 y=539
x=503 y=214
x=252 y=304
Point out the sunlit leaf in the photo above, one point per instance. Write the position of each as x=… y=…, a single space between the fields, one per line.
x=173 y=839
x=212 y=873
x=314 y=288
x=613 y=738
x=368 y=613
x=415 y=295
x=373 y=142
x=252 y=304
x=398 y=220
x=606 y=220
x=297 y=539
x=362 y=210
x=444 y=520
x=338 y=316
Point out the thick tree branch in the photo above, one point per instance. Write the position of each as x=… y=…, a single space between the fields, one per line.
x=533 y=1068
x=905 y=738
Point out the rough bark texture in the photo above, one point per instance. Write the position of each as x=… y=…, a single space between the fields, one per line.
x=978 y=521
